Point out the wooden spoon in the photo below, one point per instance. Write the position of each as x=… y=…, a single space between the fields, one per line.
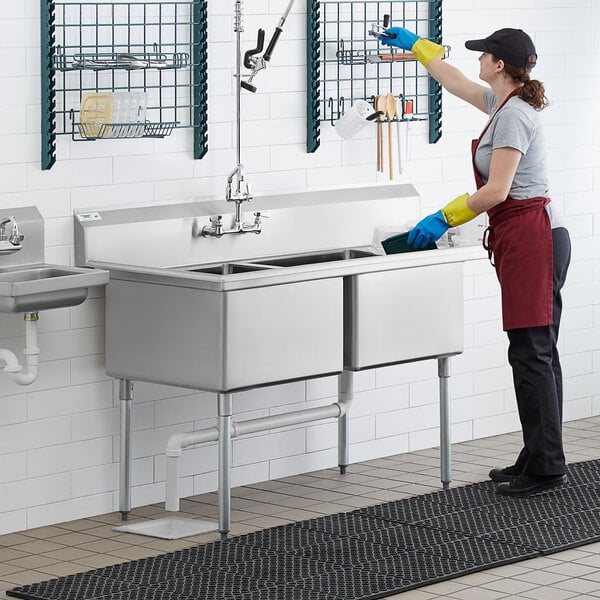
x=390 y=113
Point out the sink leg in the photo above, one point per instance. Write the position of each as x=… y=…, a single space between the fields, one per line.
x=224 y=412
x=125 y=396
x=345 y=395
x=445 y=444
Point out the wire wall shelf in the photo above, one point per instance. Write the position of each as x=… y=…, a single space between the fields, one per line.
x=141 y=65
x=346 y=62
x=90 y=131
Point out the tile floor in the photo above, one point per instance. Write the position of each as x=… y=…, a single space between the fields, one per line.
x=47 y=552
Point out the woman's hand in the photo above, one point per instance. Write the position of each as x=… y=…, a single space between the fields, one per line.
x=398 y=37
x=427 y=230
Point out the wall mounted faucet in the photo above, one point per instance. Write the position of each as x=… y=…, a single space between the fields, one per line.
x=238 y=190
x=10 y=242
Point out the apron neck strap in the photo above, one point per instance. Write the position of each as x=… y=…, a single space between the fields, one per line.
x=513 y=93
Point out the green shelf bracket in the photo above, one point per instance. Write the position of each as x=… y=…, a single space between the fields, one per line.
x=200 y=62
x=435 y=89
x=48 y=94
x=313 y=51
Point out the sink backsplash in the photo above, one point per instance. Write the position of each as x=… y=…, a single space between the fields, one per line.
x=161 y=236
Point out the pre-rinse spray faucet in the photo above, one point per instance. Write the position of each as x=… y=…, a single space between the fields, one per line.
x=238 y=190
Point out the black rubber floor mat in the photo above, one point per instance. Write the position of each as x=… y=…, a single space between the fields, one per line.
x=363 y=554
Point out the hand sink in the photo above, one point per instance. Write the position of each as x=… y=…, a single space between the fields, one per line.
x=42 y=286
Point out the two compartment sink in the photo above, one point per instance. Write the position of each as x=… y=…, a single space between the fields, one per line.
x=44 y=286
x=239 y=312
x=294 y=260
x=236 y=325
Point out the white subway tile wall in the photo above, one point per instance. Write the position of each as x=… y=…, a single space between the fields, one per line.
x=59 y=437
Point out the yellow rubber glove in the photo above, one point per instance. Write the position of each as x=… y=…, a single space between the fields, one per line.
x=426 y=50
x=458 y=212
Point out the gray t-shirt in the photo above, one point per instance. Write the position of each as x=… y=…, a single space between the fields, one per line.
x=517 y=125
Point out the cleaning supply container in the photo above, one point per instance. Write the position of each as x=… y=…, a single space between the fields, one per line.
x=354 y=119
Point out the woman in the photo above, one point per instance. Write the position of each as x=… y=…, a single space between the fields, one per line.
x=526 y=240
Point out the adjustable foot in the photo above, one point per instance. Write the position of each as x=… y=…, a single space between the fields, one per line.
x=124 y=515
x=343 y=469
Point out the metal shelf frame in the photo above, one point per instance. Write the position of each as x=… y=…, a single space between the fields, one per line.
x=343 y=60
x=156 y=47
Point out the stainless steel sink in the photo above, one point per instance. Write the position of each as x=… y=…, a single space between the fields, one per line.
x=43 y=286
x=244 y=311
x=227 y=268
x=402 y=315
x=317 y=257
x=223 y=340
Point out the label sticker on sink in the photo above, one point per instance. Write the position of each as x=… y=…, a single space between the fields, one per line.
x=91 y=216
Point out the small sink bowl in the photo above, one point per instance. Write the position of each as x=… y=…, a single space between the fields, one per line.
x=41 y=287
x=228 y=268
x=316 y=258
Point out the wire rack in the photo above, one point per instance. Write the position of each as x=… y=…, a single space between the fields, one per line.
x=154 y=48
x=346 y=63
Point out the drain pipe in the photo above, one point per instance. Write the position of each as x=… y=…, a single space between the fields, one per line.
x=178 y=441
x=19 y=374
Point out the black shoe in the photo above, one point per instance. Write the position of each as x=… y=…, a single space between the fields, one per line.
x=526 y=485
x=506 y=474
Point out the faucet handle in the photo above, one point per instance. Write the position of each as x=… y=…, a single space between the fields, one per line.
x=248 y=193
x=15 y=237
x=3 y=223
x=16 y=240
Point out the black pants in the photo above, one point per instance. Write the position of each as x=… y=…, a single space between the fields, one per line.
x=537 y=376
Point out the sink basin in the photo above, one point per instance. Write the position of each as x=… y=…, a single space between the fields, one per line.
x=227 y=268
x=41 y=287
x=316 y=258
x=403 y=315
x=223 y=341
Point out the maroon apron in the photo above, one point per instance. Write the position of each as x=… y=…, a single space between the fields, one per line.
x=519 y=239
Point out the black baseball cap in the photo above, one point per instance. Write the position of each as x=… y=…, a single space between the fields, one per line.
x=513 y=46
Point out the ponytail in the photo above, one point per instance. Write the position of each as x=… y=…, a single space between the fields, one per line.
x=533 y=91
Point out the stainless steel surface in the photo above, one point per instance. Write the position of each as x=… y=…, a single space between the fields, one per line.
x=227 y=268
x=125 y=398
x=345 y=398
x=224 y=412
x=445 y=424
x=307 y=221
x=316 y=257
x=27 y=283
x=227 y=315
x=41 y=287
x=403 y=315
x=223 y=341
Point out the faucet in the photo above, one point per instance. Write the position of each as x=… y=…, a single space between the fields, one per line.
x=243 y=190
x=10 y=243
